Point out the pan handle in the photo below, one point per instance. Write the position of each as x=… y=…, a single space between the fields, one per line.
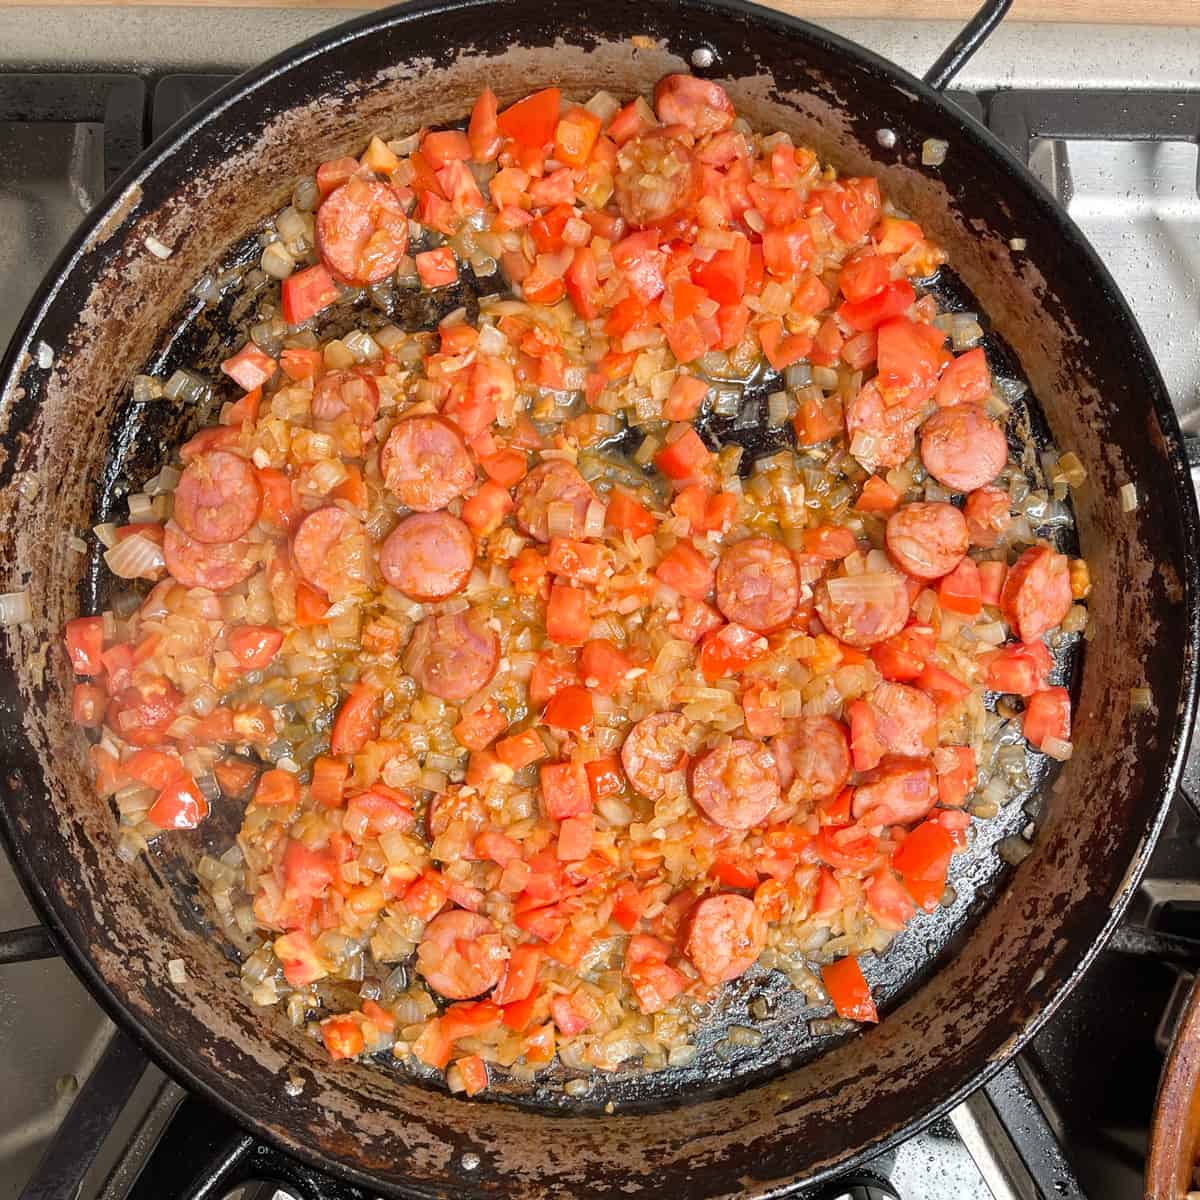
x=971 y=37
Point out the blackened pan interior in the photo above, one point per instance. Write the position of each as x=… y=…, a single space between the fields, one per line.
x=961 y=992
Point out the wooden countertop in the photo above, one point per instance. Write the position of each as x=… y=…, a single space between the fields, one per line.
x=1128 y=12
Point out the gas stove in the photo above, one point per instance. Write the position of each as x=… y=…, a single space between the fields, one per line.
x=1108 y=118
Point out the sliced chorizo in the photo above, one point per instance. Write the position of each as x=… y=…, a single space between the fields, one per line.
x=1037 y=592
x=346 y=393
x=700 y=105
x=897 y=792
x=653 y=749
x=736 y=785
x=218 y=497
x=757 y=584
x=723 y=937
x=891 y=431
x=862 y=610
x=428 y=556
x=554 y=482
x=453 y=655
x=927 y=540
x=362 y=231
x=657 y=177
x=461 y=954
x=331 y=551
x=196 y=564
x=425 y=463
x=962 y=448
x=813 y=759
x=905 y=720
x=987 y=515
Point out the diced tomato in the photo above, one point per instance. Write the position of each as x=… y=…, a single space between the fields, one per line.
x=761 y=710
x=550 y=672
x=687 y=571
x=529 y=572
x=250 y=367
x=306 y=293
x=860 y=351
x=311 y=605
x=782 y=351
x=521 y=749
x=334 y=172
x=865 y=744
x=570 y=708
x=445 y=146
x=832 y=542
x=910 y=358
x=565 y=790
x=903 y=656
x=154 y=768
x=481 y=727
x=848 y=990
x=569 y=947
x=1020 y=668
x=631 y=120
x=180 y=805
x=894 y=236
x=727 y=650
x=575 y=135
x=343 y=1037
x=991 y=582
x=539 y=1045
x=603 y=666
x=520 y=975
x=437 y=268
x=852 y=205
x=684 y=400
x=254 y=646
x=518 y=1014
x=723 y=277
x=734 y=874
x=506 y=467
x=328 y=785
x=695 y=620
x=947 y=690
x=788 y=252
x=575 y=838
x=1048 y=714
x=961 y=591
x=966 y=380
x=605 y=778
x=894 y=300
x=483 y=133
x=817 y=421
x=532 y=121
x=568 y=620
x=357 y=721
x=848 y=848
x=583 y=283
x=474 y=1072
x=654 y=983
x=85 y=643
x=865 y=275
x=277 y=787
x=626 y=514
x=485 y=511
x=578 y=561
x=877 y=496
x=956 y=776
x=923 y=859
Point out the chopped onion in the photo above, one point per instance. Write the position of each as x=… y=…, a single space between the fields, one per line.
x=870 y=586
x=15 y=608
x=1057 y=748
x=1129 y=497
x=157 y=248
x=135 y=557
x=933 y=152
x=1140 y=699
x=177 y=971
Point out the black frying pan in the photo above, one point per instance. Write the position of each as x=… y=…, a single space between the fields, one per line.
x=961 y=992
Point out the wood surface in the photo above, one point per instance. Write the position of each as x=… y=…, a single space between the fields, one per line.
x=1128 y=12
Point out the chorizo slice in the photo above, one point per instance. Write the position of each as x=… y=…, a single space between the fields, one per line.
x=657 y=176
x=905 y=720
x=757 y=584
x=889 y=433
x=428 y=556
x=331 y=551
x=962 y=448
x=736 y=785
x=652 y=750
x=218 y=497
x=425 y=463
x=1037 y=592
x=453 y=655
x=554 y=482
x=927 y=540
x=813 y=758
x=862 y=610
x=197 y=564
x=461 y=954
x=700 y=105
x=723 y=937
x=362 y=231
x=897 y=792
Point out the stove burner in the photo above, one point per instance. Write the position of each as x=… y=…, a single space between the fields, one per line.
x=260 y=1189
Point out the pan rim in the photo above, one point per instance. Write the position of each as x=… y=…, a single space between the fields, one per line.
x=238 y=90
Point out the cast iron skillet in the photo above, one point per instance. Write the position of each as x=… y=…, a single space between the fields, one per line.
x=962 y=992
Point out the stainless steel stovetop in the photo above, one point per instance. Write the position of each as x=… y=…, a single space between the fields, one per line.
x=1109 y=120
